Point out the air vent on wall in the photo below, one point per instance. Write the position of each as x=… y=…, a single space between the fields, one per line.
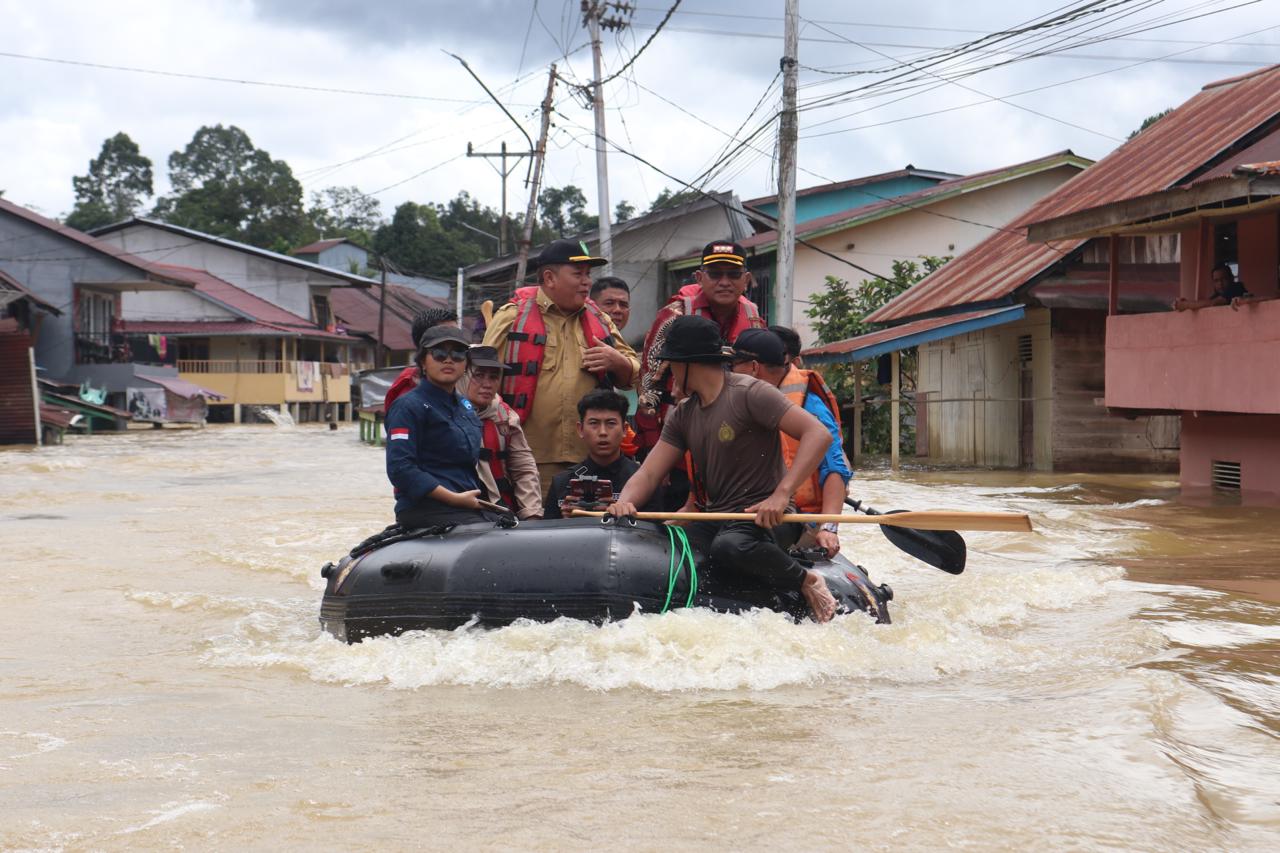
x=1024 y=349
x=1226 y=476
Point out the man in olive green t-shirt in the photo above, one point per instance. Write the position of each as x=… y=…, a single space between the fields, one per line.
x=729 y=426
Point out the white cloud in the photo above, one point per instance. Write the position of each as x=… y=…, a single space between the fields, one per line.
x=54 y=117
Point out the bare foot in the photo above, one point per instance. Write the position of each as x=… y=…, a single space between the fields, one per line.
x=818 y=597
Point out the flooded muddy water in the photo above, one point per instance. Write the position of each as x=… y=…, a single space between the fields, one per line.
x=1112 y=680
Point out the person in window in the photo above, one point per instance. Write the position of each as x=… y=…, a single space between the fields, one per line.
x=434 y=438
x=1226 y=291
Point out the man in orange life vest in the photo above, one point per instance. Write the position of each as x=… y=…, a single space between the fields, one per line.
x=761 y=353
x=558 y=345
x=507 y=471
x=717 y=294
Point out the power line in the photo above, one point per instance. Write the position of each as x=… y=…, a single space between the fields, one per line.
x=646 y=44
x=215 y=79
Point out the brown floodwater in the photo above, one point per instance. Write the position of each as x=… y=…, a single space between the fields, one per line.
x=1111 y=680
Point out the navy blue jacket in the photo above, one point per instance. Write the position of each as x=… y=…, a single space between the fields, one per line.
x=433 y=439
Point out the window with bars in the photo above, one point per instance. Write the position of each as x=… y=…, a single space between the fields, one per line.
x=1226 y=476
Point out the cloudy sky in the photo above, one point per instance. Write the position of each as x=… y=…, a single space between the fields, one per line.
x=361 y=92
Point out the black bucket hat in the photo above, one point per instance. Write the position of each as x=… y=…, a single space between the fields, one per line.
x=693 y=339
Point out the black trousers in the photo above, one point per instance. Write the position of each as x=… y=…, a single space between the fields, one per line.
x=429 y=513
x=742 y=546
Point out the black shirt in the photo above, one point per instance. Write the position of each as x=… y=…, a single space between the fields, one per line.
x=1233 y=290
x=617 y=474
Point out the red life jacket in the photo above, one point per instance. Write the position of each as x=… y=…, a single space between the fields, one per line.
x=493 y=450
x=695 y=304
x=527 y=344
x=796 y=385
x=405 y=382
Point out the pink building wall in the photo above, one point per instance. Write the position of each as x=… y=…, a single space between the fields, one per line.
x=1253 y=441
x=1210 y=360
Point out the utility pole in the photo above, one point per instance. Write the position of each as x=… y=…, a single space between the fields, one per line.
x=788 y=136
x=593 y=16
x=382 y=314
x=504 y=240
x=539 y=154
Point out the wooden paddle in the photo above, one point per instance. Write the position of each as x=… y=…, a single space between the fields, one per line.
x=486 y=311
x=1008 y=522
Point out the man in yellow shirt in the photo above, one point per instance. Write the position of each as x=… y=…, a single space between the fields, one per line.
x=558 y=345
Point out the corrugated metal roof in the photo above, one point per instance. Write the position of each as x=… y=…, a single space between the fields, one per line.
x=835 y=186
x=221 y=329
x=319 y=246
x=358 y=313
x=182 y=387
x=1171 y=152
x=99 y=246
x=8 y=282
x=907 y=335
x=240 y=301
x=918 y=199
x=359 y=280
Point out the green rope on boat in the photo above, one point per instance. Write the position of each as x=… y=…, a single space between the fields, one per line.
x=676 y=566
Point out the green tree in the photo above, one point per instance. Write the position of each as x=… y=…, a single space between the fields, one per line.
x=224 y=185
x=345 y=212
x=118 y=181
x=669 y=198
x=564 y=210
x=1148 y=121
x=840 y=313
x=623 y=211
x=416 y=241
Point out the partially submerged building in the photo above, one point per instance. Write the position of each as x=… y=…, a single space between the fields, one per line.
x=1207 y=176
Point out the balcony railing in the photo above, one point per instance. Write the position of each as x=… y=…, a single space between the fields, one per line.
x=268 y=366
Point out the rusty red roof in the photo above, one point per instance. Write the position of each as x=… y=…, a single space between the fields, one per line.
x=358 y=310
x=257 y=315
x=1178 y=149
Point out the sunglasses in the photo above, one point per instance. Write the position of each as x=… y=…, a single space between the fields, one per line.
x=447 y=354
x=716 y=275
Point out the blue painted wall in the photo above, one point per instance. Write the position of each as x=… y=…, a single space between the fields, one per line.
x=824 y=203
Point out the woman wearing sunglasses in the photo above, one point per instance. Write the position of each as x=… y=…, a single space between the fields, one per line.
x=434 y=439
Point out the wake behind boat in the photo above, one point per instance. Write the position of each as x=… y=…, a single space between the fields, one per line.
x=443 y=578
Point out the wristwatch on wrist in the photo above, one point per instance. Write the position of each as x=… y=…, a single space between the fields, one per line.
x=830 y=527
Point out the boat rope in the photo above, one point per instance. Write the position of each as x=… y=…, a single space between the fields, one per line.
x=676 y=565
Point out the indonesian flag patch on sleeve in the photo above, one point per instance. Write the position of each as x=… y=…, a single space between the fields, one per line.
x=401 y=432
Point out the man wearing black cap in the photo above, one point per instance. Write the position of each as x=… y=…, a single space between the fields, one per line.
x=507 y=471
x=729 y=425
x=558 y=345
x=716 y=294
x=762 y=354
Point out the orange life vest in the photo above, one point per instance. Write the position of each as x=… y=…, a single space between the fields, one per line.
x=795 y=386
x=527 y=344
x=493 y=450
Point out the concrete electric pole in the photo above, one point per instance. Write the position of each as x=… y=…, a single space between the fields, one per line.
x=784 y=292
x=504 y=240
x=593 y=16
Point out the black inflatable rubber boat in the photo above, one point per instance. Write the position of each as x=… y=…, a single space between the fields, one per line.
x=443 y=578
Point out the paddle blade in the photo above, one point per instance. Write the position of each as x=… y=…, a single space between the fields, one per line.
x=942 y=549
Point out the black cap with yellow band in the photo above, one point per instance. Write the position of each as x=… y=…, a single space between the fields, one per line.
x=567 y=252
x=724 y=252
